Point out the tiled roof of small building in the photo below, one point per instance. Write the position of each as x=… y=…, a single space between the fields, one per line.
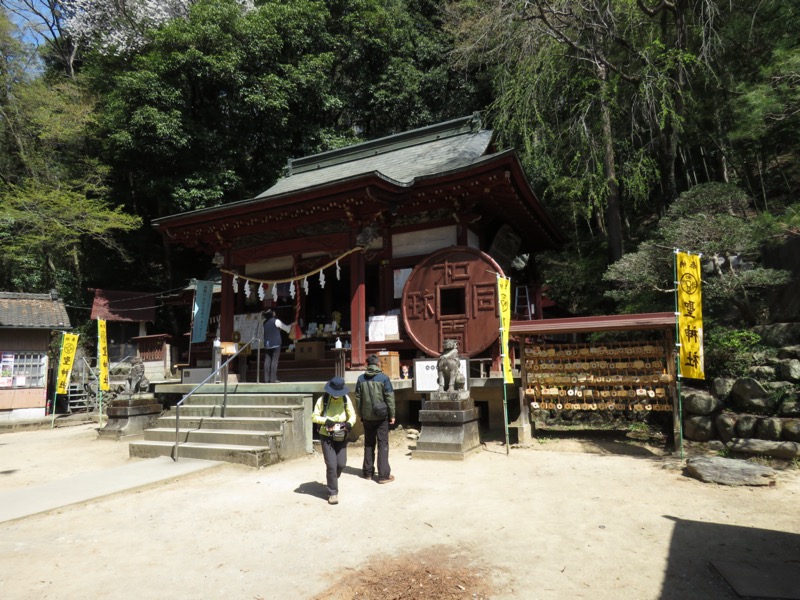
x=32 y=311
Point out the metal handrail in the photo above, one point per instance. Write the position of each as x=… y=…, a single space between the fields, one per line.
x=211 y=375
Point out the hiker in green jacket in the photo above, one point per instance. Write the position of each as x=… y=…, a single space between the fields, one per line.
x=335 y=415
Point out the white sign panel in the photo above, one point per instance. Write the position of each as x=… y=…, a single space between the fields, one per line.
x=376 y=328
x=249 y=326
x=426 y=374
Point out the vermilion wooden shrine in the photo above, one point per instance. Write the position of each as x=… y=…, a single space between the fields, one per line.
x=433 y=214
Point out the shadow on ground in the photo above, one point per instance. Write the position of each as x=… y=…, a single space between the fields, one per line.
x=753 y=563
x=644 y=444
x=313 y=488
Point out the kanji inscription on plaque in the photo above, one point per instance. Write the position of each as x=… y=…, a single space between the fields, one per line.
x=452 y=294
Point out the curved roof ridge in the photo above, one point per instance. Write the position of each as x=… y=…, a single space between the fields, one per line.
x=402 y=164
x=385 y=144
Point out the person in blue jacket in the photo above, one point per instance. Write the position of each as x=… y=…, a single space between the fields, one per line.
x=335 y=414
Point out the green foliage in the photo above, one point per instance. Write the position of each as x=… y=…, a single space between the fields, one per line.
x=211 y=107
x=712 y=219
x=731 y=352
x=43 y=229
x=575 y=283
x=53 y=198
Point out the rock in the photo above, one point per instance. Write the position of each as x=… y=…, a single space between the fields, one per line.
x=789 y=370
x=762 y=372
x=726 y=471
x=779 y=334
x=791 y=430
x=769 y=429
x=787 y=450
x=699 y=402
x=777 y=386
x=789 y=352
x=790 y=408
x=721 y=387
x=698 y=428
x=726 y=423
x=716 y=446
x=757 y=405
x=746 y=426
x=748 y=394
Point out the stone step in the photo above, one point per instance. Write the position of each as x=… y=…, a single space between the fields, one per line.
x=237 y=410
x=240 y=423
x=236 y=437
x=312 y=371
x=306 y=375
x=252 y=456
x=254 y=399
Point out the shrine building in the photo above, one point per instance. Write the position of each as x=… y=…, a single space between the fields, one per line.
x=391 y=245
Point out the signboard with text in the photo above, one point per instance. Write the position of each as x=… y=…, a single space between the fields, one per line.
x=426 y=374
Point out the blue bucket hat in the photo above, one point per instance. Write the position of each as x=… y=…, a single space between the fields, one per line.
x=336 y=387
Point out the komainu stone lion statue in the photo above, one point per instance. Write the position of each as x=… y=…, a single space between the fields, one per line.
x=137 y=382
x=450 y=377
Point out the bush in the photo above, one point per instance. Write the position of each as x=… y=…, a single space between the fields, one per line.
x=731 y=352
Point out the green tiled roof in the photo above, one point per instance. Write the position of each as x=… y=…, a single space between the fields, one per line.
x=401 y=158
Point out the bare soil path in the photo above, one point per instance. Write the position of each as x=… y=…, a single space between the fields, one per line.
x=562 y=519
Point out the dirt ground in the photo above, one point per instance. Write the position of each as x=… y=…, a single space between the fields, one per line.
x=563 y=518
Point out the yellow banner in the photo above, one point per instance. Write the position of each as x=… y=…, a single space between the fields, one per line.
x=69 y=347
x=690 y=315
x=504 y=295
x=102 y=354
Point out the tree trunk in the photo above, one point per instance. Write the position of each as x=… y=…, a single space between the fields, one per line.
x=614 y=205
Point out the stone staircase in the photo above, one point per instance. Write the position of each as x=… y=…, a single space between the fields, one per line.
x=259 y=429
x=291 y=370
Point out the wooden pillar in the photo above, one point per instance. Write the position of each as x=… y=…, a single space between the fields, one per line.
x=386 y=273
x=358 y=310
x=677 y=425
x=536 y=300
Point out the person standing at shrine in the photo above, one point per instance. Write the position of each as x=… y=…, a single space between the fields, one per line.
x=375 y=407
x=272 y=344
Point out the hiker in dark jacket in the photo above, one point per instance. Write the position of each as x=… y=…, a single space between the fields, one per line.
x=372 y=387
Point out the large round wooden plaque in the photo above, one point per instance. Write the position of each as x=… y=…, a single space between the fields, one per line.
x=452 y=294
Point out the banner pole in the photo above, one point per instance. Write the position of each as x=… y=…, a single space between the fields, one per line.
x=677 y=349
x=503 y=351
x=55 y=388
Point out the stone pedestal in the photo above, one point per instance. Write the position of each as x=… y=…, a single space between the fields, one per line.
x=449 y=427
x=130 y=414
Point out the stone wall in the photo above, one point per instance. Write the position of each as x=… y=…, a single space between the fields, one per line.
x=762 y=406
